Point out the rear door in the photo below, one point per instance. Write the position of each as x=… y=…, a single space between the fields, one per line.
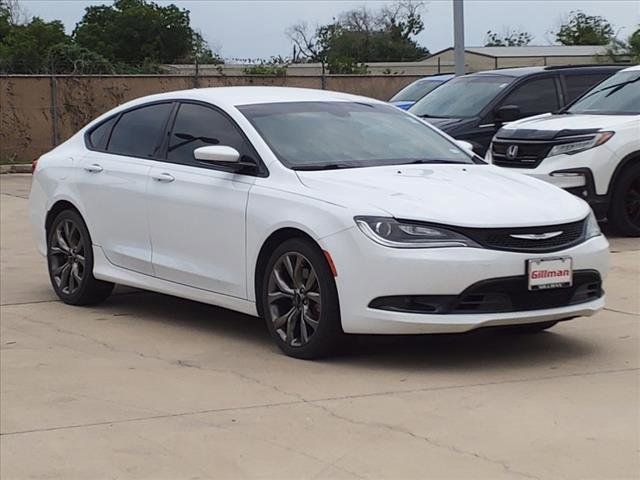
x=112 y=182
x=197 y=210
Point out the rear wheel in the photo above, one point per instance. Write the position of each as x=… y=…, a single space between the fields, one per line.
x=70 y=261
x=624 y=213
x=300 y=300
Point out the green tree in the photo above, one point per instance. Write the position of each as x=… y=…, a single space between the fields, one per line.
x=24 y=48
x=361 y=35
x=509 y=38
x=583 y=29
x=74 y=59
x=135 y=32
x=620 y=50
x=634 y=45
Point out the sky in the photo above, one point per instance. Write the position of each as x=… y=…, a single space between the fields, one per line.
x=255 y=29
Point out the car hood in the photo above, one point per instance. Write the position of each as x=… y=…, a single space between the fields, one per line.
x=549 y=126
x=460 y=195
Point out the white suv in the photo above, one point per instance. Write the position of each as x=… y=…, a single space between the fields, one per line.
x=591 y=148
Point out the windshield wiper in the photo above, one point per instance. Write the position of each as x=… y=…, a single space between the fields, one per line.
x=614 y=88
x=323 y=166
x=425 y=162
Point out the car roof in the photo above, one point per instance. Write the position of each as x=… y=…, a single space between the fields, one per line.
x=236 y=96
x=632 y=69
x=440 y=78
x=524 y=71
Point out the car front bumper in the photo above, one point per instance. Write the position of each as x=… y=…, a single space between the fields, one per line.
x=585 y=174
x=366 y=271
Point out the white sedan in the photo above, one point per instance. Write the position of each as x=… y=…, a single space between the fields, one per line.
x=324 y=213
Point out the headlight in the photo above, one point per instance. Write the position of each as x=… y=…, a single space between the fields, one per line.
x=580 y=145
x=591 y=229
x=393 y=233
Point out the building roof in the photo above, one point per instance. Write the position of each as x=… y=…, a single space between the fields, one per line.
x=537 y=51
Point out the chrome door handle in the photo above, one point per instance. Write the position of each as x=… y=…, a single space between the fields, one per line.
x=95 y=168
x=163 y=177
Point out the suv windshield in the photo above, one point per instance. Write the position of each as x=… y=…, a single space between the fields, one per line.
x=415 y=91
x=328 y=135
x=618 y=95
x=461 y=97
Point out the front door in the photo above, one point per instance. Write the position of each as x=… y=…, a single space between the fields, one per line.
x=197 y=210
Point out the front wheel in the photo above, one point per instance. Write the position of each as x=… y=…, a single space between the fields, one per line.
x=625 y=202
x=70 y=262
x=300 y=300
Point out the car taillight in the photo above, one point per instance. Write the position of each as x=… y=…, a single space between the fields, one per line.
x=34 y=164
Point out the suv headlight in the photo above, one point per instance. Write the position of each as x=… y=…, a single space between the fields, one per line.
x=592 y=229
x=580 y=145
x=397 y=234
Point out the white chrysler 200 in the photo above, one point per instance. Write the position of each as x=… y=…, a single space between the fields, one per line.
x=323 y=212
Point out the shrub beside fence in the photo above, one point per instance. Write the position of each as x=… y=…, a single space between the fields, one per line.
x=38 y=112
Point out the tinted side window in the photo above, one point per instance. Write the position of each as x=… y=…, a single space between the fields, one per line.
x=579 y=84
x=138 y=132
x=197 y=126
x=100 y=135
x=534 y=96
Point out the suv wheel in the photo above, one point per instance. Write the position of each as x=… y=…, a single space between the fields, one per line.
x=624 y=213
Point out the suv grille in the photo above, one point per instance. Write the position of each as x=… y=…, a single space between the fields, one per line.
x=528 y=154
x=506 y=239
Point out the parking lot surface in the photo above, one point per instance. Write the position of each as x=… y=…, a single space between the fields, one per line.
x=151 y=386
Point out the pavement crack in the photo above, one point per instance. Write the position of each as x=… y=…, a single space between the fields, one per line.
x=431 y=441
x=621 y=311
x=15 y=196
x=299 y=402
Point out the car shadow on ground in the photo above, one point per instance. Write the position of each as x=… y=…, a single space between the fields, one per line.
x=485 y=349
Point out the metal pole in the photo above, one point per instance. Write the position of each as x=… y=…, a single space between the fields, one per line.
x=53 y=83
x=458 y=36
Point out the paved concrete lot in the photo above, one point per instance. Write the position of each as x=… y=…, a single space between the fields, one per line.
x=150 y=386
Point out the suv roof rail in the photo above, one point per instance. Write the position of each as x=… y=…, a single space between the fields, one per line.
x=587 y=65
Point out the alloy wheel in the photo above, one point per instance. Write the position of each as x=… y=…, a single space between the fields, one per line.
x=67 y=257
x=632 y=202
x=294 y=299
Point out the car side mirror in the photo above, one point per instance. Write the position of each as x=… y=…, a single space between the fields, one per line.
x=467 y=146
x=507 y=113
x=217 y=154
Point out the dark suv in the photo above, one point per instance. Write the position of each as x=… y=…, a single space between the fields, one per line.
x=474 y=107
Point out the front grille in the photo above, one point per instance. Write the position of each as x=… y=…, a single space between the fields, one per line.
x=503 y=238
x=498 y=295
x=529 y=154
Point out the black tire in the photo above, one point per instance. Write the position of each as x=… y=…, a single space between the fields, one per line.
x=70 y=261
x=310 y=303
x=529 y=328
x=624 y=212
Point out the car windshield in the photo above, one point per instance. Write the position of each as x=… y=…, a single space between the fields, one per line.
x=328 y=135
x=461 y=97
x=618 y=95
x=415 y=91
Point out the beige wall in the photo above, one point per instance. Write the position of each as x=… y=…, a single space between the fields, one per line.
x=26 y=106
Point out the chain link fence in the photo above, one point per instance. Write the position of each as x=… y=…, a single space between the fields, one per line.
x=37 y=112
